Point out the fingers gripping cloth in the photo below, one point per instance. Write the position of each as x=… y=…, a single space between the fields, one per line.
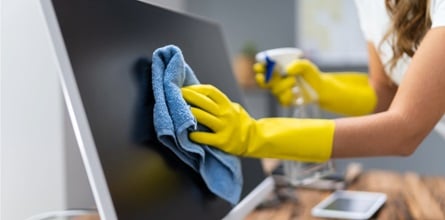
x=173 y=121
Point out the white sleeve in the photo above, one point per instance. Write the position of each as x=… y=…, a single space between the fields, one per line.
x=438 y=13
x=440 y=127
x=374 y=19
x=363 y=19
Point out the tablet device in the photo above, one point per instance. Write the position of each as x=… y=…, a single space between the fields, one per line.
x=345 y=204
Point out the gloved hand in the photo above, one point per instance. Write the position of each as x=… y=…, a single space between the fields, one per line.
x=235 y=132
x=347 y=93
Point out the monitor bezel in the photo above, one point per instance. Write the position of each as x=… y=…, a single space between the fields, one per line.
x=77 y=114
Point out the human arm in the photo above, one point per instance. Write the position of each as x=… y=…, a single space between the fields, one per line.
x=384 y=88
x=235 y=132
x=346 y=93
x=417 y=106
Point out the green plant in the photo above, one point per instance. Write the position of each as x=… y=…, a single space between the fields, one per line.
x=249 y=49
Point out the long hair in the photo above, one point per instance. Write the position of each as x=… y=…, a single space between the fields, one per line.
x=410 y=20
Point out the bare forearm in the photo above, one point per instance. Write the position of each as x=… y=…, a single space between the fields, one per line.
x=383 y=86
x=382 y=134
x=385 y=95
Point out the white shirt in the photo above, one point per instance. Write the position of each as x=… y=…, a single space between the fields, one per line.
x=374 y=22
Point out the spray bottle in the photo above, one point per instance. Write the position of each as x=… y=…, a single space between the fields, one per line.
x=305 y=105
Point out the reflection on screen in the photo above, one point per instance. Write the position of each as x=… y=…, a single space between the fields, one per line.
x=350 y=205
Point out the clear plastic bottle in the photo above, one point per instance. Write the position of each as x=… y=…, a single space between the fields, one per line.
x=305 y=106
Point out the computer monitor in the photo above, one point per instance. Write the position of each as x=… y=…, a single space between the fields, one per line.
x=104 y=49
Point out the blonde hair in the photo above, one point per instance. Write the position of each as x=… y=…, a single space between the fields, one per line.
x=410 y=20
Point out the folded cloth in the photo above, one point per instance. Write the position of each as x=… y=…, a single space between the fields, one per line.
x=173 y=121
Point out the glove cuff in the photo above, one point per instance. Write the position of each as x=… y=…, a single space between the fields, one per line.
x=348 y=94
x=308 y=140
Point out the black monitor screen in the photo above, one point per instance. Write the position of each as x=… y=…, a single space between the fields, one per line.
x=109 y=44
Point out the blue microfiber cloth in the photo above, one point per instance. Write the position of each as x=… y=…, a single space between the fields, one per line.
x=173 y=121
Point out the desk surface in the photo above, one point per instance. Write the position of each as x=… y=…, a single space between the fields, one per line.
x=410 y=196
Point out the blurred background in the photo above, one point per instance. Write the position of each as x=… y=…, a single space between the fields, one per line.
x=40 y=167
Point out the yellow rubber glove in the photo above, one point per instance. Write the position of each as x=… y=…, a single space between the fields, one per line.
x=235 y=132
x=347 y=93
